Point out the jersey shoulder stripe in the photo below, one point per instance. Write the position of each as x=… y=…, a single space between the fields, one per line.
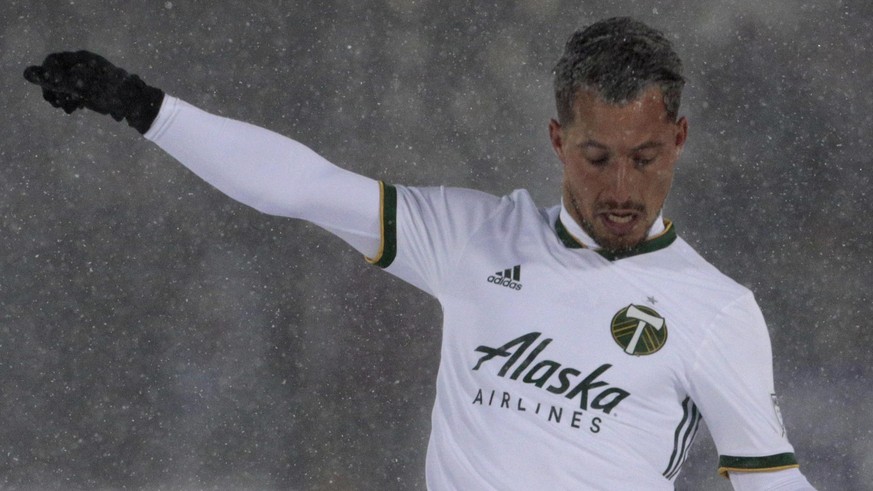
x=686 y=430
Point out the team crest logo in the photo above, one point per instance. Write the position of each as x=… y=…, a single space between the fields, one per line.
x=639 y=330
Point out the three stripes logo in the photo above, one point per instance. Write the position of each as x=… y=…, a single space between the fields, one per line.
x=683 y=437
x=509 y=278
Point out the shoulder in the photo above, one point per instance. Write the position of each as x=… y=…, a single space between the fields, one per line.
x=460 y=195
x=429 y=229
x=686 y=263
x=463 y=203
x=698 y=293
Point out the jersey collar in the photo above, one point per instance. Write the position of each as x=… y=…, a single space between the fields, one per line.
x=661 y=235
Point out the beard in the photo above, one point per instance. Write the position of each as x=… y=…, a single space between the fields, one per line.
x=608 y=241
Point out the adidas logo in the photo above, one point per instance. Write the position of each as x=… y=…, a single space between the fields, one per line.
x=509 y=277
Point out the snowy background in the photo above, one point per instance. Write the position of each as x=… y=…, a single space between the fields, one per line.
x=155 y=334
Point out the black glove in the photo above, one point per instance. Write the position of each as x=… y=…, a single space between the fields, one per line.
x=83 y=79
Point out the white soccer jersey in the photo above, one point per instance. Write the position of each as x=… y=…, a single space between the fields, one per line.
x=562 y=367
x=566 y=368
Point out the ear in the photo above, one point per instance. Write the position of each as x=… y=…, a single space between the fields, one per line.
x=556 y=135
x=681 y=134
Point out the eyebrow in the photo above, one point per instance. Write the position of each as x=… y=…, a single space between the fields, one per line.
x=600 y=146
x=647 y=145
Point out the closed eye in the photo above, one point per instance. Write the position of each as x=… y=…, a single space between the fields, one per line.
x=643 y=162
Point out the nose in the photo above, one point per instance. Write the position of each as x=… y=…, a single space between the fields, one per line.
x=621 y=182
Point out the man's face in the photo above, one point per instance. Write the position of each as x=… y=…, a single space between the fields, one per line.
x=618 y=165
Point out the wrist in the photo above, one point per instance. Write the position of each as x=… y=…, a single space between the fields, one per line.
x=143 y=103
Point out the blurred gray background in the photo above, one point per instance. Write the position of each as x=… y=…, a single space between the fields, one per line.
x=155 y=334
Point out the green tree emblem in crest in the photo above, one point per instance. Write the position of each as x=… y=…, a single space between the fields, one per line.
x=639 y=330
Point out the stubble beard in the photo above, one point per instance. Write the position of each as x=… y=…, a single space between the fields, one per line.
x=607 y=242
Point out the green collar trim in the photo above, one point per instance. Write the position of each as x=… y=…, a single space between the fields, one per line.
x=654 y=244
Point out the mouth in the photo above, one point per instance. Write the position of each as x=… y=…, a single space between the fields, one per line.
x=619 y=218
x=620 y=222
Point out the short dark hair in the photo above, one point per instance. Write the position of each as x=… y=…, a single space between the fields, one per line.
x=618 y=58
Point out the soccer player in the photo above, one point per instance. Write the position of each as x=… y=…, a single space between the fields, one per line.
x=583 y=342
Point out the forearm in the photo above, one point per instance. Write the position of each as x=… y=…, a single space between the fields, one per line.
x=270 y=172
x=784 y=480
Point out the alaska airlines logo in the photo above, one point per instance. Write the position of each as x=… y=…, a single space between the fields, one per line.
x=552 y=376
x=639 y=330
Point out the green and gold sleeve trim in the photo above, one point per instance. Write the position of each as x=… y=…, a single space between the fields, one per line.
x=662 y=240
x=388 y=219
x=769 y=463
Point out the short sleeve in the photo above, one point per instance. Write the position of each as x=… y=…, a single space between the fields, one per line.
x=425 y=229
x=731 y=381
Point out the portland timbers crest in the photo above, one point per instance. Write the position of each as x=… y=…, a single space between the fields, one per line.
x=639 y=330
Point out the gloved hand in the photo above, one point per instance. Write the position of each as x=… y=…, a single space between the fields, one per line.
x=73 y=80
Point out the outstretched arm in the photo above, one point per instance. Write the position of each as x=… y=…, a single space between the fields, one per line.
x=257 y=167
